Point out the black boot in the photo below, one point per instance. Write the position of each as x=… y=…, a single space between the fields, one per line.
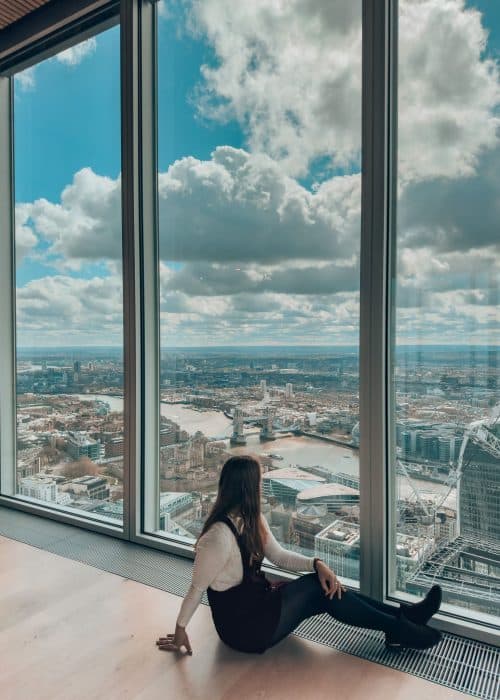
x=421 y=612
x=407 y=634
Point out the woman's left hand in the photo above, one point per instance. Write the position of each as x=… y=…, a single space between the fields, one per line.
x=329 y=581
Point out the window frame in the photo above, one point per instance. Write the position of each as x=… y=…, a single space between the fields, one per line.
x=138 y=60
x=75 y=30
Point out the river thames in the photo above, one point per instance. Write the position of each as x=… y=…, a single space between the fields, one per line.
x=296 y=451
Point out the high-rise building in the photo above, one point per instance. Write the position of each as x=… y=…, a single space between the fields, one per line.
x=479 y=494
x=465 y=560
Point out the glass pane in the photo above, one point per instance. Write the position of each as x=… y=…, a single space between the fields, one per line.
x=446 y=459
x=259 y=123
x=69 y=281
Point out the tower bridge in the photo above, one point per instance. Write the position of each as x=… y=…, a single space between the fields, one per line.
x=265 y=420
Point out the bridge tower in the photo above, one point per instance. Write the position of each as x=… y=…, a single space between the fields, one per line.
x=238 y=436
x=267 y=431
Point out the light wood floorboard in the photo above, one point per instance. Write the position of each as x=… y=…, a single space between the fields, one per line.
x=69 y=631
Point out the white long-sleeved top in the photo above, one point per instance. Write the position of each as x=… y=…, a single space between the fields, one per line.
x=218 y=563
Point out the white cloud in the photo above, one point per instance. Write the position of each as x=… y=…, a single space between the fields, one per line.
x=234 y=207
x=290 y=73
x=26 y=78
x=86 y=225
x=85 y=310
x=270 y=318
x=25 y=239
x=453 y=214
x=164 y=10
x=211 y=279
x=449 y=90
x=242 y=207
x=255 y=250
x=75 y=54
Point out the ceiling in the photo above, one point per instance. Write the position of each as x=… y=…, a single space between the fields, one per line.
x=12 y=10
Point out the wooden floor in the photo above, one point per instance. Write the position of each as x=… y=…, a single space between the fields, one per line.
x=72 y=632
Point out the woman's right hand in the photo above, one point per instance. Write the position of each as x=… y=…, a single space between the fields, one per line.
x=329 y=581
x=174 y=642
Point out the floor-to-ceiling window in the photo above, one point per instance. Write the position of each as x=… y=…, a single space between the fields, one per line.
x=68 y=303
x=257 y=305
x=259 y=149
x=446 y=457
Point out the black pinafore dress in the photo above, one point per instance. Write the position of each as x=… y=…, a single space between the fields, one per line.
x=246 y=615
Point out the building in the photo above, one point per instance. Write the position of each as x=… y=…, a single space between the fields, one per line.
x=334 y=496
x=180 y=504
x=39 y=486
x=169 y=435
x=285 y=484
x=466 y=560
x=467 y=570
x=304 y=531
x=110 y=509
x=346 y=479
x=93 y=487
x=114 y=447
x=338 y=545
x=479 y=494
x=78 y=445
x=411 y=551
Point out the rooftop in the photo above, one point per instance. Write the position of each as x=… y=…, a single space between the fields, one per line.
x=88 y=480
x=292 y=473
x=323 y=490
x=340 y=531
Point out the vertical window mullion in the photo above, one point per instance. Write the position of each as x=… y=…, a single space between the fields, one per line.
x=7 y=300
x=130 y=247
x=150 y=270
x=139 y=265
x=373 y=296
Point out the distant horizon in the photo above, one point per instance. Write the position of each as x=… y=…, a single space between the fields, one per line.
x=40 y=348
x=259 y=196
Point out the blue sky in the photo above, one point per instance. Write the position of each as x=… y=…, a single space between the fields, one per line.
x=490 y=10
x=71 y=120
x=266 y=150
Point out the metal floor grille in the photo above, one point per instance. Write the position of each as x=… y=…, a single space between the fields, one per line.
x=456 y=662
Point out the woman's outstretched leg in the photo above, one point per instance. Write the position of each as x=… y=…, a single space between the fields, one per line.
x=304 y=597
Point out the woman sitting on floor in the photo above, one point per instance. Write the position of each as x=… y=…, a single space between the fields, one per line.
x=251 y=613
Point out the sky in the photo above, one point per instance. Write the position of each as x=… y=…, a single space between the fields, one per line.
x=259 y=125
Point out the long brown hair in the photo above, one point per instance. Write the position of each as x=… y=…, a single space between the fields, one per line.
x=239 y=490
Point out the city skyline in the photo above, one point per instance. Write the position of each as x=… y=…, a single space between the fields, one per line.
x=299 y=411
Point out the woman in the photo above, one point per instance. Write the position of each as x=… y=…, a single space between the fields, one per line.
x=252 y=614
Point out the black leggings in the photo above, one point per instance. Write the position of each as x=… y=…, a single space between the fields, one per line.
x=304 y=597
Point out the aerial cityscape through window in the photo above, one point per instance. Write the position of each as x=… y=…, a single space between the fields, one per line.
x=259 y=150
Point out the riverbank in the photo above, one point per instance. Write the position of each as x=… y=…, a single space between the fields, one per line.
x=328 y=438
x=295 y=451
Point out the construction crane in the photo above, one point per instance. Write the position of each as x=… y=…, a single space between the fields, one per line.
x=480 y=433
